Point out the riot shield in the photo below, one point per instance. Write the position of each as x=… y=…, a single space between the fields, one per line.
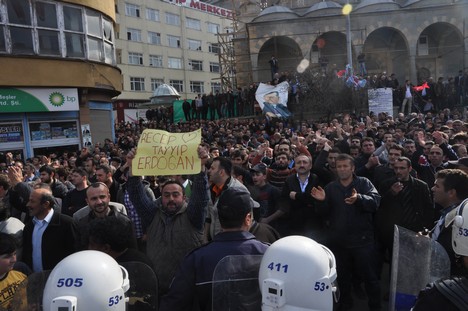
x=235 y=284
x=142 y=294
x=417 y=260
x=143 y=291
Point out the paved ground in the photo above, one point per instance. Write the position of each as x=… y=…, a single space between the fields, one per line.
x=361 y=304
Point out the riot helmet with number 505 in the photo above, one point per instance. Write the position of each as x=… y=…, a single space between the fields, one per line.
x=86 y=281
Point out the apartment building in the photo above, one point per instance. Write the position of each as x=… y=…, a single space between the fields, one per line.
x=167 y=42
x=59 y=75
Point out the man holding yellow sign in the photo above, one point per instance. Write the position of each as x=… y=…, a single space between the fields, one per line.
x=173 y=226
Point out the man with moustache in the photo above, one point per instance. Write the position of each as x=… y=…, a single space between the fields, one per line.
x=349 y=204
x=174 y=226
x=406 y=202
x=449 y=190
x=49 y=236
x=98 y=199
x=301 y=209
x=47 y=176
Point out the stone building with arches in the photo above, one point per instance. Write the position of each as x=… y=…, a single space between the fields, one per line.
x=415 y=39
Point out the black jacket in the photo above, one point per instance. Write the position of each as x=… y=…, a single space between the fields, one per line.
x=350 y=225
x=58 y=241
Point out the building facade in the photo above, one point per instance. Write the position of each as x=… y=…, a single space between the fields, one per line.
x=415 y=39
x=59 y=74
x=168 y=42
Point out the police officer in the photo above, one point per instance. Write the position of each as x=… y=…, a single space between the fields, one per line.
x=451 y=293
x=192 y=285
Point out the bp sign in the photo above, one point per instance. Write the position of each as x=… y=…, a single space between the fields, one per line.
x=38 y=100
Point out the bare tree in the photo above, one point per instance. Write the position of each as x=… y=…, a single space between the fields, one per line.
x=324 y=94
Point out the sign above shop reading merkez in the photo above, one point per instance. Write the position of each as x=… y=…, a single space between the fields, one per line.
x=38 y=100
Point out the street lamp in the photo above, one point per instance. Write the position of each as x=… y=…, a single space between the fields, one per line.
x=347 y=8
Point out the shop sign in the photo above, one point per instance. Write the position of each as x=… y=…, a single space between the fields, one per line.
x=11 y=133
x=38 y=100
x=204 y=7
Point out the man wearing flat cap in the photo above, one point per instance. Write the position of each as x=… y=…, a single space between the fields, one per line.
x=192 y=284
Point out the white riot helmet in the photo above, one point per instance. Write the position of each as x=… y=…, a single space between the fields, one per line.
x=86 y=281
x=460 y=230
x=297 y=274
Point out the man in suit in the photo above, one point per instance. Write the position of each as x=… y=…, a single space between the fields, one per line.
x=273 y=66
x=49 y=236
x=272 y=107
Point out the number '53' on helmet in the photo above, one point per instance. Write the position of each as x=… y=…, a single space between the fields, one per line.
x=297 y=273
x=86 y=281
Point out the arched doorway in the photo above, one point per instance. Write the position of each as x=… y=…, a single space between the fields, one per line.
x=386 y=49
x=285 y=49
x=331 y=46
x=440 y=50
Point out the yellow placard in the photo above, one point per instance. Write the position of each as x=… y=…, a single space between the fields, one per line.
x=163 y=153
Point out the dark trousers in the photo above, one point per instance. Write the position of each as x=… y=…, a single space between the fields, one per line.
x=361 y=262
x=187 y=115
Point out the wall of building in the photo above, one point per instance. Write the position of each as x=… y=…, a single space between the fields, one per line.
x=387 y=32
x=46 y=54
x=165 y=74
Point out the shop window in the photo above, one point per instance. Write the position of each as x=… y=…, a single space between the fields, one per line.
x=11 y=132
x=53 y=130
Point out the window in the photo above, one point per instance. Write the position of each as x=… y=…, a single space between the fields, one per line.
x=193 y=23
x=58 y=30
x=172 y=19
x=47 y=29
x=213 y=48
x=194 y=45
x=137 y=84
x=2 y=40
x=135 y=58
x=74 y=37
x=214 y=67
x=18 y=12
x=154 y=38
x=215 y=86
x=177 y=84
x=196 y=65
x=173 y=41
x=155 y=60
x=174 y=63
x=132 y=10
x=53 y=130
x=197 y=87
x=133 y=34
x=152 y=15
x=213 y=28
x=94 y=36
x=155 y=83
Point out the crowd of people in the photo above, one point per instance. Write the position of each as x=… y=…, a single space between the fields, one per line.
x=345 y=183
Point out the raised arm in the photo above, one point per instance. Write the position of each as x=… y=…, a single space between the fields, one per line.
x=144 y=205
x=196 y=209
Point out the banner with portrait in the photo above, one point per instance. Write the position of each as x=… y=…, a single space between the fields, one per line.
x=273 y=99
